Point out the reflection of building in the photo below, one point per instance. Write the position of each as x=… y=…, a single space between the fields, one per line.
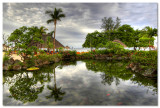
x=43 y=46
x=118 y=41
x=67 y=47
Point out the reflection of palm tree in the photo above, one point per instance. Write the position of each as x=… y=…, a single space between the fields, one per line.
x=56 y=92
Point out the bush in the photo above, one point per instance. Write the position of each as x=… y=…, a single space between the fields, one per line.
x=50 y=58
x=117 y=48
x=68 y=53
x=5 y=58
x=30 y=62
x=145 y=57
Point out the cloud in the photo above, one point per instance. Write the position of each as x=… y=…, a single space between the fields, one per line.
x=81 y=18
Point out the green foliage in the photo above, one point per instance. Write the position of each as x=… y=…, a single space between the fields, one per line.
x=61 y=49
x=116 y=47
x=26 y=38
x=5 y=58
x=50 y=58
x=49 y=43
x=108 y=24
x=95 y=40
x=148 y=58
x=30 y=62
x=42 y=51
x=68 y=53
x=126 y=35
x=145 y=41
x=89 y=55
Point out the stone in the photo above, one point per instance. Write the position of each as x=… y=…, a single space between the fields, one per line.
x=7 y=67
x=17 y=67
x=11 y=61
x=17 y=61
x=46 y=62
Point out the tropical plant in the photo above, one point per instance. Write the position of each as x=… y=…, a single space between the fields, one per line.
x=25 y=40
x=55 y=16
x=149 y=32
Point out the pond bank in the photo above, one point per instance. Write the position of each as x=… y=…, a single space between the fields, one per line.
x=40 y=60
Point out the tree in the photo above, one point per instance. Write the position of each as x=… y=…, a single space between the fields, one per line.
x=56 y=92
x=108 y=24
x=55 y=16
x=95 y=40
x=126 y=35
x=149 y=32
x=25 y=40
x=49 y=43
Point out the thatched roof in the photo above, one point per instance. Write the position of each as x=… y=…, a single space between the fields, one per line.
x=44 y=45
x=120 y=42
x=67 y=47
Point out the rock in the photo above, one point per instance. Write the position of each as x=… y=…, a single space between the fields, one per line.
x=17 y=61
x=46 y=62
x=7 y=67
x=149 y=72
x=56 y=60
x=24 y=67
x=17 y=67
x=11 y=61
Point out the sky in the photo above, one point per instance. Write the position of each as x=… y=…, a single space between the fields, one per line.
x=81 y=18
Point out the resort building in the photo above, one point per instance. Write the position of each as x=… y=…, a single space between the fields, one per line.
x=67 y=47
x=43 y=46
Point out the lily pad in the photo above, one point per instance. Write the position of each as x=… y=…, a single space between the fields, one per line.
x=33 y=68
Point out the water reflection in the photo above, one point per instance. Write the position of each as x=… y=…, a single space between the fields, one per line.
x=57 y=93
x=87 y=82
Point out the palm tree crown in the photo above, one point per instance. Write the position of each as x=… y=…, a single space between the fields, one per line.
x=55 y=15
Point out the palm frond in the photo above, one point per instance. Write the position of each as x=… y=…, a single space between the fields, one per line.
x=48 y=12
x=49 y=21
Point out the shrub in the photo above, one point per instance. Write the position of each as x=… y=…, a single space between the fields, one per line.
x=117 y=48
x=30 y=62
x=145 y=57
x=68 y=53
x=5 y=58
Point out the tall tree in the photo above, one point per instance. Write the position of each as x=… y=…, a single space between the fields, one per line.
x=109 y=25
x=55 y=16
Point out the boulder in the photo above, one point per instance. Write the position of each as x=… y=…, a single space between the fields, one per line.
x=7 y=67
x=17 y=67
x=46 y=62
x=11 y=61
x=17 y=61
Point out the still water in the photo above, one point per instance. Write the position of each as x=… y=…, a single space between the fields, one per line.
x=86 y=82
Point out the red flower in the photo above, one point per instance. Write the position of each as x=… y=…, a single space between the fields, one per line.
x=119 y=103
x=107 y=94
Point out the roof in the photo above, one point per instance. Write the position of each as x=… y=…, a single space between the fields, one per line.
x=44 y=45
x=118 y=41
x=67 y=47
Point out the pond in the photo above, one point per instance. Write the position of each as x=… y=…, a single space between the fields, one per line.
x=87 y=82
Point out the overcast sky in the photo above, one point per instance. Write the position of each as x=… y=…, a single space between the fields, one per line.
x=81 y=18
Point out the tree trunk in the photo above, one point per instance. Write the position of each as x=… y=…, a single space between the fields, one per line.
x=149 y=46
x=54 y=36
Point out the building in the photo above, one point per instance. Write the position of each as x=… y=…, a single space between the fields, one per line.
x=67 y=47
x=43 y=46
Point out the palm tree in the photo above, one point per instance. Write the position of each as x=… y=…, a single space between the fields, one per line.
x=57 y=93
x=150 y=32
x=55 y=16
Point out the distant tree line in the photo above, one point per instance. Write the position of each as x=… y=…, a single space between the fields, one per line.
x=113 y=30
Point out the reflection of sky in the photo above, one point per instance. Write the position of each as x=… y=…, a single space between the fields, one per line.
x=84 y=87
